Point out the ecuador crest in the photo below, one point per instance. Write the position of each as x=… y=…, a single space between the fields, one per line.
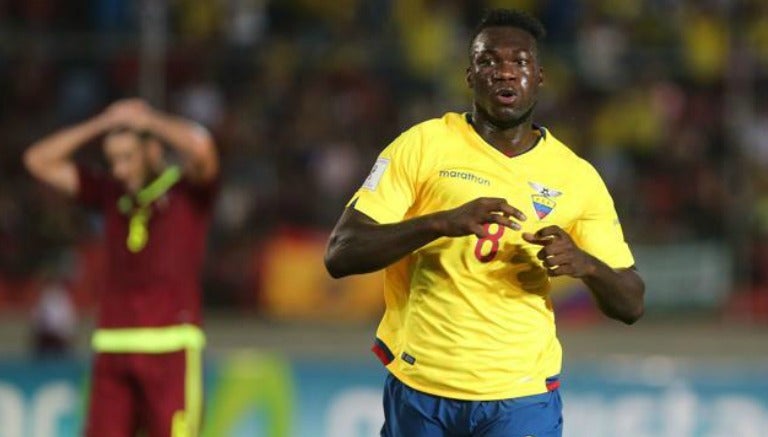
x=542 y=200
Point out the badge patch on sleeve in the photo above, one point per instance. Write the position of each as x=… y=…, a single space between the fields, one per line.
x=408 y=358
x=373 y=179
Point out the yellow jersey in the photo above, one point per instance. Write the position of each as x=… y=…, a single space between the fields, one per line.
x=470 y=318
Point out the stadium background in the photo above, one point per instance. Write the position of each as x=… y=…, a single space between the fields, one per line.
x=666 y=97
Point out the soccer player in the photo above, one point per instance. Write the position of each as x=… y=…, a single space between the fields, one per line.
x=147 y=369
x=470 y=214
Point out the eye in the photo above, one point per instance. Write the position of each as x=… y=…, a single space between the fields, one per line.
x=485 y=61
x=522 y=62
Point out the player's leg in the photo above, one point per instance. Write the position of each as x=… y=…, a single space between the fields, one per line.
x=112 y=399
x=408 y=412
x=538 y=415
x=171 y=384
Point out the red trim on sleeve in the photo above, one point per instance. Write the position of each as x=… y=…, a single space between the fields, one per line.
x=553 y=385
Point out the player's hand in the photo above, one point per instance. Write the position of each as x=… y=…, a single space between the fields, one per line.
x=134 y=113
x=469 y=218
x=559 y=253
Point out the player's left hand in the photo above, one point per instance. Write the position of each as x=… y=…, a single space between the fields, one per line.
x=134 y=113
x=559 y=254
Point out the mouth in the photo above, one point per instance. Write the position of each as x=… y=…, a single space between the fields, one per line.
x=505 y=96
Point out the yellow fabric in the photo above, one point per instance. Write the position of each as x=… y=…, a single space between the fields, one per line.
x=480 y=330
x=179 y=424
x=193 y=386
x=148 y=340
x=138 y=231
x=140 y=211
x=186 y=422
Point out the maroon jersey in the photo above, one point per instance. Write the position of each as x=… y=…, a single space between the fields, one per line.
x=160 y=284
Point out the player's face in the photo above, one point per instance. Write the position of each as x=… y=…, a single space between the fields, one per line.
x=504 y=74
x=127 y=158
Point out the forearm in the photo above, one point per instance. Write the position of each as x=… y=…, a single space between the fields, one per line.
x=50 y=159
x=367 y=247
x=618 y=293
x=191 y=140
x=61 y=145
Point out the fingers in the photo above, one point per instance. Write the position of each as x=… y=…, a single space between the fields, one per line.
x=551 y=231
x=555 y=260
x=503 y=221
x=555 y=265
x=535 y=239
x=127 y=108
x=561 y=258
x=564 y=270
x=131 y=102
x=498 y=211
x=546 y=236
x=511 y=211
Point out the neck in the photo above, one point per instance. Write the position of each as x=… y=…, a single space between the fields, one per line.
x=153 y=172
x=513 y=138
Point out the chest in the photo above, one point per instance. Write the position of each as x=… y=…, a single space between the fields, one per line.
x=546 y=194
x=170 y=220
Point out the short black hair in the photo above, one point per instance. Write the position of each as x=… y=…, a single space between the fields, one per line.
x=510 y=18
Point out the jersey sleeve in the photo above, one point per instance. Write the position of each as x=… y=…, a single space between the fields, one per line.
x=598 y=230
x=203 y=194
x=92 y=187
x=391 y=186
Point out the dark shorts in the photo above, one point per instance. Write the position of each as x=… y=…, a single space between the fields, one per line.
x=411 y=413
x=139 y=391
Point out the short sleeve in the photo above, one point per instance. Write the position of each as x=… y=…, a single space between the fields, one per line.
x=598 y=230
x=92 y=187
x=203 y=194
x=391 y=186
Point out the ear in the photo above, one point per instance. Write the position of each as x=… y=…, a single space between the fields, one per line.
x=469 y=77
x=541 y=76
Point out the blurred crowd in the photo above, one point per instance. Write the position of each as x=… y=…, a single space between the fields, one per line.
x=666 y=97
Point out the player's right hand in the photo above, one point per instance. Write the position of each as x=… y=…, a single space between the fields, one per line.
x=132 y=113
x=470 y=217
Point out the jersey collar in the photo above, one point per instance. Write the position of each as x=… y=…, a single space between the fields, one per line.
x=537 y=148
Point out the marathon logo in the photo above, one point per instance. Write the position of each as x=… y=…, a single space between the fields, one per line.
x=471 y=177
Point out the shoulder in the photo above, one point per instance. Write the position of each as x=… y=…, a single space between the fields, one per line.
x=95 y=179
x=423 y=137
x=92 y=173
x=449 y=123
x=205 y=191
x=412 y=139
x=578 y=166
x=446 y=124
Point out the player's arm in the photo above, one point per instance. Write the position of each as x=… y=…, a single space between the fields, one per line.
x=50 y=159
x=191 y=140
x=618 y=292
x=358 y=244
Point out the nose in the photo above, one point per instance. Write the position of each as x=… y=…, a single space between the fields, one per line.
x=506 y=71
x=119 y=171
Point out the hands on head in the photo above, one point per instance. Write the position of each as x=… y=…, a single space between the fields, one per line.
x=133 y=113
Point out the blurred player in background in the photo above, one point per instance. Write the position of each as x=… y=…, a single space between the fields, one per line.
x=148 y=343
x=470 y=214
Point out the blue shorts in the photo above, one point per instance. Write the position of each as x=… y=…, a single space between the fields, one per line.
x=411 y=413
